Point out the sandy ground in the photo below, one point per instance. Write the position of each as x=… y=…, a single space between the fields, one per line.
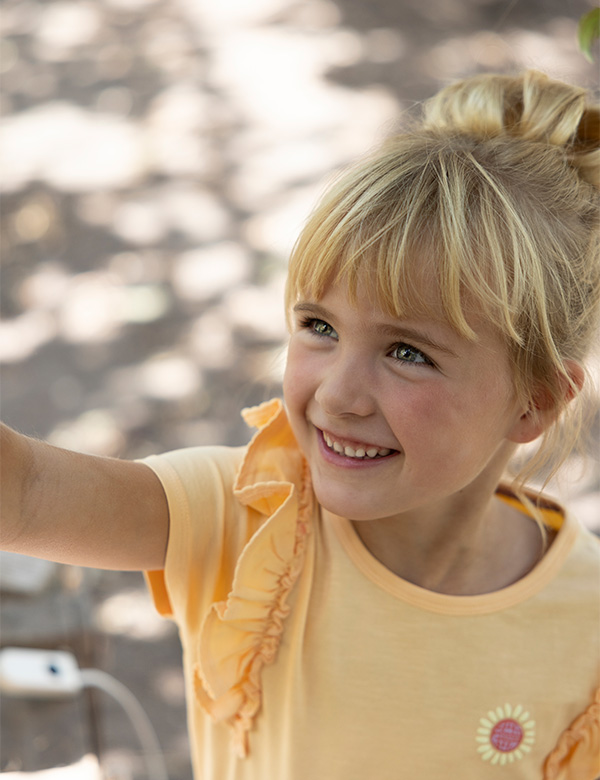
x=158 y=160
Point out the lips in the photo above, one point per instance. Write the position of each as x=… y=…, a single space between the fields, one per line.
x=353 y=449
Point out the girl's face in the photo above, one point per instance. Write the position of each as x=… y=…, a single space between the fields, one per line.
x=394 y=415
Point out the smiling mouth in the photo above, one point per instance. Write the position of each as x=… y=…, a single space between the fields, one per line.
x=356 y=452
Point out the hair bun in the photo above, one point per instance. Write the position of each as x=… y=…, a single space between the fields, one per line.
x=529 y=106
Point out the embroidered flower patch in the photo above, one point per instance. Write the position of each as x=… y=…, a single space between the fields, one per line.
x=505 y=735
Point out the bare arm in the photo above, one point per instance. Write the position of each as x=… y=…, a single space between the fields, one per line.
x=80 y=509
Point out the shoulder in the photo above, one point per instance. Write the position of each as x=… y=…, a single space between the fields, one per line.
x=199 y=486
x=573 y=560
x=196 y=469
x=205 y=523
x=197 y=457
x=586 y=545
x=582 y=571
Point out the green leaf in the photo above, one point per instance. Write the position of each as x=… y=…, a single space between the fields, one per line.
x=588 y=31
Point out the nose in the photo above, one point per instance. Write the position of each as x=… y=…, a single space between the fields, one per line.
x=346 y=388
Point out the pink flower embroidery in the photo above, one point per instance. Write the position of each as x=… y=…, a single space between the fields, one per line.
x=505 y=735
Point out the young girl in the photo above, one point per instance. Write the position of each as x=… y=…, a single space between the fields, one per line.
x=359 y=593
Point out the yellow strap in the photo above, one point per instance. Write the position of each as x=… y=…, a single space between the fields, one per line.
x=553 y=518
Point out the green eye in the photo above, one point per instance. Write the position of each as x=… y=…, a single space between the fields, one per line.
x=319 y=327
x=408 y=354
x=322 y=328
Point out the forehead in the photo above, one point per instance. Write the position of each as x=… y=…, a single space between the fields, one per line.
x=409 y=289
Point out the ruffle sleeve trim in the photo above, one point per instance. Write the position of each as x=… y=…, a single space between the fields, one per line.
x=577 y=753
x=242 y=634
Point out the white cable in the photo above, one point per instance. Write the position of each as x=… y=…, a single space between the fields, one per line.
x=95 y=678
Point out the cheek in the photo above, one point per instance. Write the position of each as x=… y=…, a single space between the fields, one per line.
x=466 y=416
x=295 y=377
x=296 y=396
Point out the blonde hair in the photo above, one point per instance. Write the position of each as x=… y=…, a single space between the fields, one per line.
x=495 y=191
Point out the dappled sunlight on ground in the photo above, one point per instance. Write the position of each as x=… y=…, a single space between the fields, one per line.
x=129 y=613
x=158 y=161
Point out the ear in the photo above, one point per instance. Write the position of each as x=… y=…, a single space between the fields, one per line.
x=543 y=411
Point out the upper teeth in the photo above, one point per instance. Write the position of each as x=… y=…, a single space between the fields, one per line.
x=350 y=452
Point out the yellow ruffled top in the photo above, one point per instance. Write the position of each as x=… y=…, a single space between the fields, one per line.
x=242 y=634
x=577 y=754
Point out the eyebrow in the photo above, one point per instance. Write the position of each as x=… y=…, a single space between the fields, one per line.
x=397 y=332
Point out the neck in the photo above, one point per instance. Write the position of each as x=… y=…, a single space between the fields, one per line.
x=468 y=549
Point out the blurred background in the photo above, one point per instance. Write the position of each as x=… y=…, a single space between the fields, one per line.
x=158 y=159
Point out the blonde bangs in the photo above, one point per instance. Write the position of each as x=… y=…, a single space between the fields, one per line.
x=414 y=229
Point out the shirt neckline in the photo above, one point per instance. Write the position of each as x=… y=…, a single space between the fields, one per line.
x=442 y=603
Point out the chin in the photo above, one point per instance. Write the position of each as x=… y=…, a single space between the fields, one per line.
x=345 y=506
